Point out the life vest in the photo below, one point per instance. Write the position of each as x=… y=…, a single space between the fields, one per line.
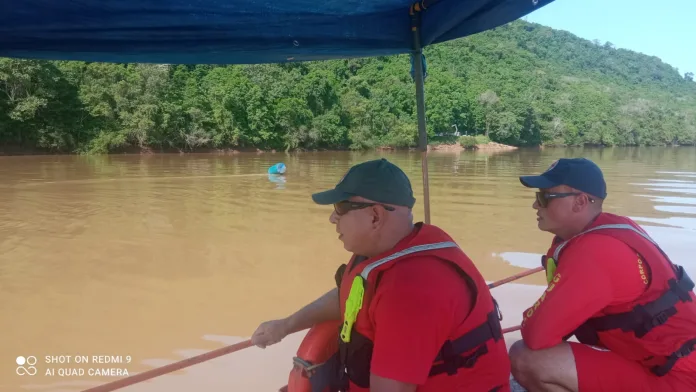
x=667 y=301
x=358 y=282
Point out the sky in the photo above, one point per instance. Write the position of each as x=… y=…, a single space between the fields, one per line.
x=666 y=29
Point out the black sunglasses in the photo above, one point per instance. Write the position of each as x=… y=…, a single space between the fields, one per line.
x=543 y=198
x=344 y=207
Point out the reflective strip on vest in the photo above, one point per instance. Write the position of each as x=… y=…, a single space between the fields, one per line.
x=418 y=248
x=623 y=226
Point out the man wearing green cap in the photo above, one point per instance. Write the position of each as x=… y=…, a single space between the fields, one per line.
x=416 y=313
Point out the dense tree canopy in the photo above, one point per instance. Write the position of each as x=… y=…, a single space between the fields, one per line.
x=520 y=84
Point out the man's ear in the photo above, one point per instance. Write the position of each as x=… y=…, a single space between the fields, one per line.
x=582 y=201
x=378 y=215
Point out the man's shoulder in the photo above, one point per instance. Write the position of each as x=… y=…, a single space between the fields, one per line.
x=599 y=241
x=426 y=272
x=426 y=282
x=600 y=247
x=436 y=229
x=609 y=231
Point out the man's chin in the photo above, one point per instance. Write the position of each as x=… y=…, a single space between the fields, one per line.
x=345 y=246
x=349 y=248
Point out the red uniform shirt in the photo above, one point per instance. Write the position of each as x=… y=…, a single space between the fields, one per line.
x=418 y=305
x=597 y=275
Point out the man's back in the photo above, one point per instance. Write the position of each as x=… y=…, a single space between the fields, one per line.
x=420 y=303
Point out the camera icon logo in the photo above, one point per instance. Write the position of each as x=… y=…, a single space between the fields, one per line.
x=25 y=366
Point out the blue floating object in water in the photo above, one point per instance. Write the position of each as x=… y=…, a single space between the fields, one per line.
x=278 y=168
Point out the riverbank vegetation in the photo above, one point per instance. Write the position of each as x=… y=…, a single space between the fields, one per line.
x=521 y=84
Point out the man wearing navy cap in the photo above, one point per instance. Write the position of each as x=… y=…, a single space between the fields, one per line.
x=612 y=287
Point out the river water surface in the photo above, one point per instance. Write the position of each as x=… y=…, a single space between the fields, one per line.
x=159 y=257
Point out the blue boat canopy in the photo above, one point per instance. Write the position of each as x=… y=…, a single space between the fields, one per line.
x=238 y=31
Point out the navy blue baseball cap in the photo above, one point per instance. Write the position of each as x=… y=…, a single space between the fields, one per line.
x=579 y=173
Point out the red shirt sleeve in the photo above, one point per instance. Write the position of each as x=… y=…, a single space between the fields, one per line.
x=413 y=313
x=596 y=272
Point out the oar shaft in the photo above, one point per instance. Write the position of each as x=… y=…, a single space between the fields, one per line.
x=515 y=277
x=512 y=329
x=136 y=378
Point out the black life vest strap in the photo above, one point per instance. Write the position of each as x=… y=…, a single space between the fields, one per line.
x=643 y=318
x=685 y=350
x=586 y=334
x=338 y=276
x=450 y=353
x=457 y=361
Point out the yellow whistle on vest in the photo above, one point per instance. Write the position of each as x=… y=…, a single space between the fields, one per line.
x=353 y=305
x=550 y=269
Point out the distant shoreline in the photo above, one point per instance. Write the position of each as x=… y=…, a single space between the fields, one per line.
x=490 y=146
x=13 y=151
x=453 y=147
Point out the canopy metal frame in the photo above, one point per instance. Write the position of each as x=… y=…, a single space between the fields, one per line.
x=419 y=79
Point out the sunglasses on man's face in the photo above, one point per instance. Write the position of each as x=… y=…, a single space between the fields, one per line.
x=344 y=207
x=544 y=198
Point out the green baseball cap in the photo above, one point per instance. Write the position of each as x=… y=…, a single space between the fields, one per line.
x=378 y=180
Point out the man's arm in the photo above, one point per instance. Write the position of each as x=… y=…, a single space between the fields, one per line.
x=589 y=278
x=324 y=308
x=578 y=291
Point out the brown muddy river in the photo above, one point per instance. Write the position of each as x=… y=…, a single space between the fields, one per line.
x=165 y=256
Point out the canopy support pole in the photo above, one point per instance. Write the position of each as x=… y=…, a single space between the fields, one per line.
x=419 y=79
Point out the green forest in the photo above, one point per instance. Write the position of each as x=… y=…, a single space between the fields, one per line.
x=521 y=84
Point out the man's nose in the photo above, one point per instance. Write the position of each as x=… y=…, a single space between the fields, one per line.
x=333 y=218
x=536 y=205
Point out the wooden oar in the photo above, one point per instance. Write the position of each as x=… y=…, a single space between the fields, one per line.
x=515 y=277
x=510 y=279
x=136 y=378
x=512 y=329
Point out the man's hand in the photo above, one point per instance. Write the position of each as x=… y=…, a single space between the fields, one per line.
x=324 y=308
x=381 y=384
x=269 y=333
